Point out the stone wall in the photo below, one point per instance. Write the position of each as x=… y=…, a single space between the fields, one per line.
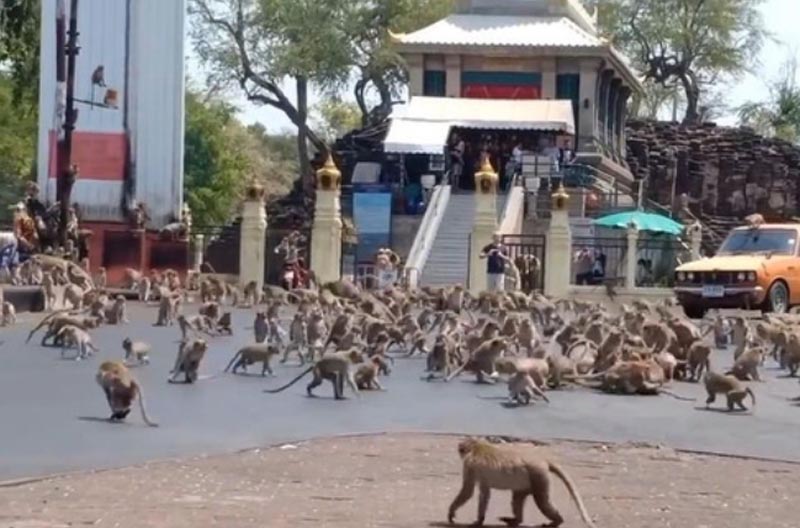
x=724 y=171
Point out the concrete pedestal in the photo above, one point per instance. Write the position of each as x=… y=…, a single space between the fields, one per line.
x=558 y=255
x=253 y=241
x=483 y=229
x=326 y=237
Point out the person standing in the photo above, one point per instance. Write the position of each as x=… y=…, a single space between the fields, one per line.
x=496 y=258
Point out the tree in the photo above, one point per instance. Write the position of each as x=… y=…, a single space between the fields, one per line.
x=18 y=128
x=257 y=43
x=379 y=68
x=19 y=45
x=690 y=42
x=334 y=118
x=779 y=116
x=221 y=157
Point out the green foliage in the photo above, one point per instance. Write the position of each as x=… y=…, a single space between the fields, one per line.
x=222 y=156
x=17 y=146
x=19 y=45
x=333 y=118
x=779 y=116
x=691 y=43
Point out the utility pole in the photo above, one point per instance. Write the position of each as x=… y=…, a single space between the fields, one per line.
x=67 y=172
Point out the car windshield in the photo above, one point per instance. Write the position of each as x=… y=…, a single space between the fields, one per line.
x=770 y=241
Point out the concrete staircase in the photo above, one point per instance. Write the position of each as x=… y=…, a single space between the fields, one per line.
x=448 y=262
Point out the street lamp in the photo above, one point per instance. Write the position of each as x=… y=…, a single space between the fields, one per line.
x=67 y=171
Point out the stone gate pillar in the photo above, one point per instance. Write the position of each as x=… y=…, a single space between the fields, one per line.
x=484 y=225
x=253 y=235
x=696 y=240
x=326 y=234
x=558 y=252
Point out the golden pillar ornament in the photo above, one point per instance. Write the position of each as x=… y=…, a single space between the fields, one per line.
x=329 y=177
x=560 y=198
x=486 y=178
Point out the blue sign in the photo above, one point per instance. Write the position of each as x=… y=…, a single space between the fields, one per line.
x=372 y=216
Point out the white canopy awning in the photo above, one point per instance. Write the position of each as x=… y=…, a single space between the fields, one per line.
x=423 y=125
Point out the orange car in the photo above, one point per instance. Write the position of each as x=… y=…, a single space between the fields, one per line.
x=755 y=268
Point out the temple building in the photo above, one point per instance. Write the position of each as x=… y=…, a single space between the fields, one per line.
x=511 y=74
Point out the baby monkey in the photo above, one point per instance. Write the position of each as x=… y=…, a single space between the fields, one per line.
x=138 y=350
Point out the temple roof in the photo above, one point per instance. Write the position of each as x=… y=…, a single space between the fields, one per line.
x=494 y=30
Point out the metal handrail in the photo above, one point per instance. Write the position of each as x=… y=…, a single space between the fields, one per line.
x=426 y=234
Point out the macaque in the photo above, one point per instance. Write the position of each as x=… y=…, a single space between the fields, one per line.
x=121 y=389
x=138 y=350
x=252 y=354
x=334 y=367
x=734 y=390
x=190 y=354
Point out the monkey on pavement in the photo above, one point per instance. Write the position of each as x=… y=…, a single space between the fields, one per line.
x=482 y=361
x=500 y=467
x=190 y=354
x=138 y=350
x=521 y=388
x=8 y=316
x=70 y=335
x=333 y=367
x=121 y=389
x=734 y=390
x=366 y=375
x=251 y=354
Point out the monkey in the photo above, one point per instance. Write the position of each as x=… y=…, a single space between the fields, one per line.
x=440 y=357
x=145 y=289
x=366 y=375
x=250 y=294
x=101 y=278
x=500 y=467
x=134 y=277
x=667 y=362
x=9 y=314
x=560 y=367
x=194 y=323
x=192 y=280
x=699 y=359
x=78 y=338
x=49 y=291
x=791 y=357
x=482 y=361
x=117 y=313
x=190 y=354
x=315 y=330
x=754 y=221
x=138 y=350
x=224 y=324
x=210 y=310
x=298 y=338
x=527 y=337
x=252 y=354
x=340 y=327
x=522 y=387
x=74 y=296
x=234 y=294
x=454 y=299
x=740 y=335
x=121 y=389
x=261 y=327
x=722 y=331
x=537 y=369
x=334 y=367
x=167 y=307
x=733 y=389
x=745 y=368
x=57 y=320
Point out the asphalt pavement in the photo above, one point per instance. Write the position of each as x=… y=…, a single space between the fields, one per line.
x=52 y=413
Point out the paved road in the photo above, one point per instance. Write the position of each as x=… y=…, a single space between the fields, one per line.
x=52 y=411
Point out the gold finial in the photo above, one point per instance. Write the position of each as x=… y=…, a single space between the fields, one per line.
x=329 y=177
x=486 y=177
x=395 y=37
x=255 y=191
x=560 y=198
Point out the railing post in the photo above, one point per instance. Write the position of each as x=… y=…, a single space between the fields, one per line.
x=558 y=252
x=326 y=234
x=252 y=237
x=696 y=240
x=630 y=257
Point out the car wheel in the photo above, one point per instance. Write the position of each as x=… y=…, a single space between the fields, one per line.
x=694 y=312
x=777 y=299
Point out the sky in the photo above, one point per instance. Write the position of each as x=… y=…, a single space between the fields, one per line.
x=782 y=19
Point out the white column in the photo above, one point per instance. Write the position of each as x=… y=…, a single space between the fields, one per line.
x=416 y=73
x=587 y=126
x=548 y=78
x=452 y=65
x=632 y=234
x=326 y=233
x=197 y=261
x=484 y=225
x=253 y=237
x=558 y=251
